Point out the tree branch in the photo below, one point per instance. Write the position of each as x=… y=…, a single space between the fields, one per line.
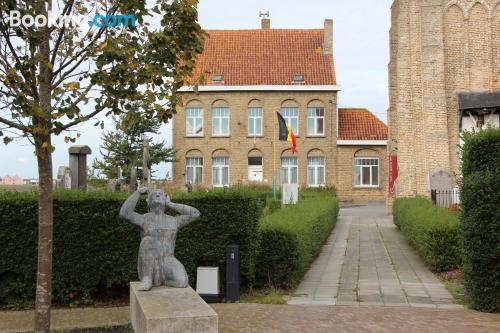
x=14 y=125
x=75 y=122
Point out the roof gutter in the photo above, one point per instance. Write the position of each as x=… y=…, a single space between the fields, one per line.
x=332 y=88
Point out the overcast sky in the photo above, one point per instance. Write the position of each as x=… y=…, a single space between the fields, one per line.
x=361 y=52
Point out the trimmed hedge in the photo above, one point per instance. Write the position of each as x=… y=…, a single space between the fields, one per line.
x=480 y=219
x=431 y=230
x=292 y=237
x=95 y=253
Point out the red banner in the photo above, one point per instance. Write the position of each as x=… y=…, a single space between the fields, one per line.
x=393 y=172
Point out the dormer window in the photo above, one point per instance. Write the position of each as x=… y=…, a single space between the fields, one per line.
x=298 y=78
x=218 y=78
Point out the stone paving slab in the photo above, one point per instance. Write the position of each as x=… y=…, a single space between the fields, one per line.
x=257 y=318
x=366 y=259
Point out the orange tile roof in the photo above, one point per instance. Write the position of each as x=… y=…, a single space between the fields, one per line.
x=360 y=124
x=265 y=57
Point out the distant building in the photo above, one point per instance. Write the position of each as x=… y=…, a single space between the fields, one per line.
x=8 y=180
x=30 y=181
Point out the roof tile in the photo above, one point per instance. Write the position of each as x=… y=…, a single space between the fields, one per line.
x=360 y=124
x=265 y=57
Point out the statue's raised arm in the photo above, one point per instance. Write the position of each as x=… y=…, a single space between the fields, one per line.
x=187 y=213
x=127 y=211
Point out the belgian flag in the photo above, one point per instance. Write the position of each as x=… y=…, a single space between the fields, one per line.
x=286 y=133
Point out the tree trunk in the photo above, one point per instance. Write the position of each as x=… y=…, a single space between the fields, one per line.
x=43 y=148
x=45 y=218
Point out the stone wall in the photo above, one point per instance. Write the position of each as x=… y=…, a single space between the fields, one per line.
x=437 y=49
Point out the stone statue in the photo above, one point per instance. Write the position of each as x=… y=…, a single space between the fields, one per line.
x=157 y=264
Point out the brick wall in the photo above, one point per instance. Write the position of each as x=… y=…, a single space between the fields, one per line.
x=344 y=178
x=238 y=145
x=339 y=162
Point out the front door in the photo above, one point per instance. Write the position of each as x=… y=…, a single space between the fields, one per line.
x=255 y=169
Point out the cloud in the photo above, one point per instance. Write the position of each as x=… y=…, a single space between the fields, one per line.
x=22 y=160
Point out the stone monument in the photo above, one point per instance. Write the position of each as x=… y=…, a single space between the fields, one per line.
x=440 y=180
x=172 y=306
x=78 y=166
x=63 y=180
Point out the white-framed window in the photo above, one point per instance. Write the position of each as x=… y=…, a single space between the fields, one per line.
x=194 y=170
x=289 y=170
x=316 y=121
x=366 y=170
x=220 y=121
x=194 y=122
x=220 y=171
x=316 y=171
x=254 y=121
x=291 y=116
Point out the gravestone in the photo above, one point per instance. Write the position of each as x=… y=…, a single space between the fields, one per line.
x=78 y=166
x=63 y=180
x=440 y=180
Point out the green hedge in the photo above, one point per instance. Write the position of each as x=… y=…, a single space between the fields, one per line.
x=292 y=237
x=480 y=219
x=95 y=253
x=431 y=230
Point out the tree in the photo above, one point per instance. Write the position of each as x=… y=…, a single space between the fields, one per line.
x=124 y=146
x=55 y=76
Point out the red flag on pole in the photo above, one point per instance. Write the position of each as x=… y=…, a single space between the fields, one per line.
x=393 y=172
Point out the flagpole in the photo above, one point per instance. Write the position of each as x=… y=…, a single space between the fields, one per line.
x=274 y=158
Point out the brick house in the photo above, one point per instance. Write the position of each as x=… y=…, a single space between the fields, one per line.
x=226 y=133
x=11 y=180
x=444 y=77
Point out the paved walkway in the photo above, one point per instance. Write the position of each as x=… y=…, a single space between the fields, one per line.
x=258 y=318
x=367 y=261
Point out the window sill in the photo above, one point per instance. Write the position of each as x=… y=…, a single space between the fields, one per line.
x=255 y=136
x=194 y=136
x=316 y=136
x=360 y=187
x=221 y=136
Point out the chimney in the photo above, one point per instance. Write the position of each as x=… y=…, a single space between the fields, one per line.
x=328 y=37
x=265 y=21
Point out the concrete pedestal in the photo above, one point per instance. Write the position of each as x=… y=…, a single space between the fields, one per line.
x=170 y=310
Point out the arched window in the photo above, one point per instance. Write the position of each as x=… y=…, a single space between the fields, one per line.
x=220 y=168
x=290 y=112
x=289 y=168
x=220 y=118
x=194 y=118
x=366 y=168
x=316 y=119
x=255 y=118
x=316 y=168
x=194 y=167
